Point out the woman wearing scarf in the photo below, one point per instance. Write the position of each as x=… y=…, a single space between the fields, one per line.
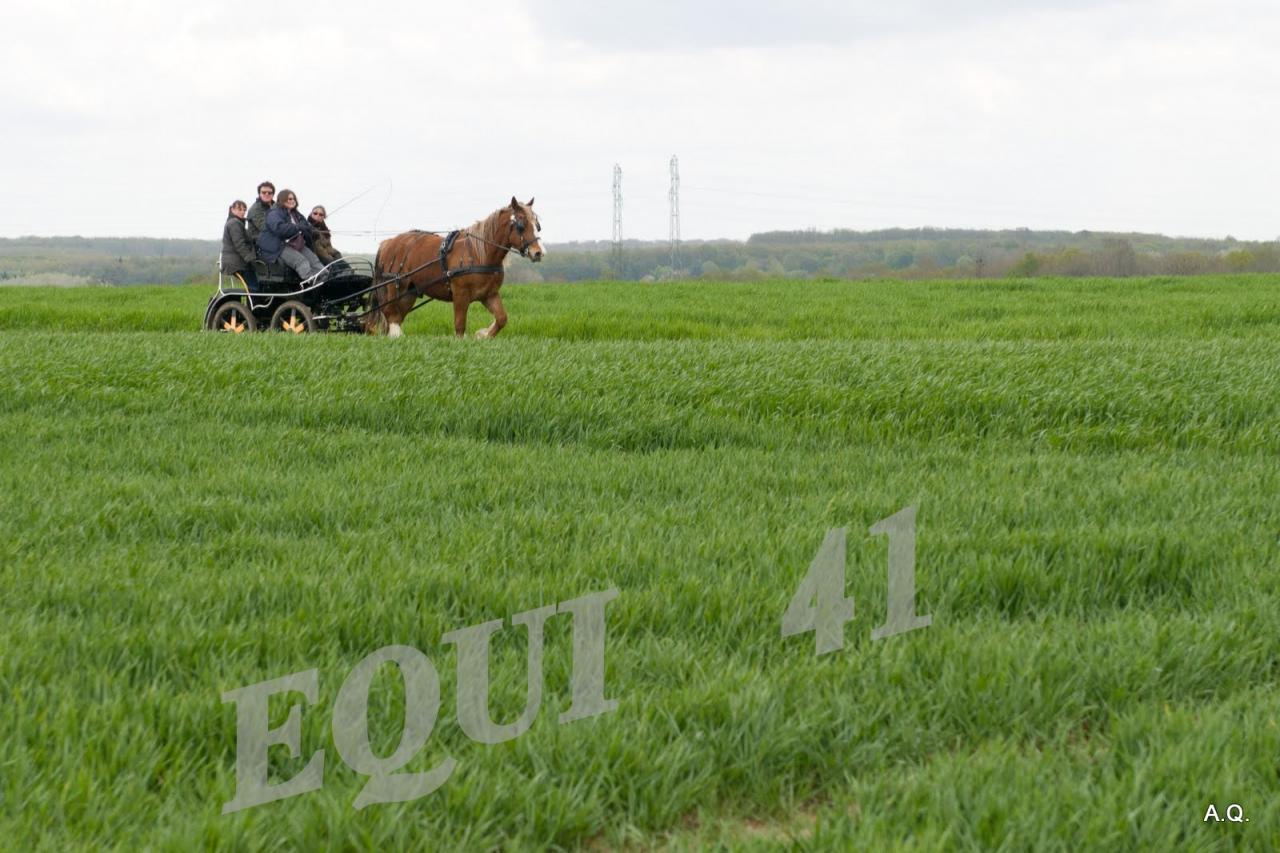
x=288 y=238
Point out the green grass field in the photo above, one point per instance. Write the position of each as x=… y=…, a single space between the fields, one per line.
x=1094 y=462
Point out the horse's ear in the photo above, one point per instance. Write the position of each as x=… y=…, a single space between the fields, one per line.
x=530 y=204
x=514 y=204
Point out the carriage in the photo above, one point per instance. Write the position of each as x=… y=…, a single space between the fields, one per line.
x=411 y=269
x=337 y=300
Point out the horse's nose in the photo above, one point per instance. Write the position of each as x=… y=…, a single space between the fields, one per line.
x=536 y=255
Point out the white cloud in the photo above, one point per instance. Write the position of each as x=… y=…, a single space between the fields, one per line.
x=674 y=25
x=148 y=118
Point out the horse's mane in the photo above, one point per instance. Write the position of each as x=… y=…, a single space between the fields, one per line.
x=487 y=229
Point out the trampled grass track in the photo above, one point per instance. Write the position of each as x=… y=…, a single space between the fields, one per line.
x=1095 y=465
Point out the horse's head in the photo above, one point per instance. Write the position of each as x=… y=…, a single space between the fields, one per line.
x=522 y=230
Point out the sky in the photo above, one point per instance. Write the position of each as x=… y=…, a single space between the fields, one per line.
x=148 y=118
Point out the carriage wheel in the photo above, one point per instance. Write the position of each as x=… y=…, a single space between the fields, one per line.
x=233 y=317
x=293 y=317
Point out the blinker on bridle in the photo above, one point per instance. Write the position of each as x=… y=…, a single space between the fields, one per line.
x=520 y=226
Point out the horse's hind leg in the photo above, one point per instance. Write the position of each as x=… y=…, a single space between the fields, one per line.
x=395 y=315
x=375 y=321
x=494 y=304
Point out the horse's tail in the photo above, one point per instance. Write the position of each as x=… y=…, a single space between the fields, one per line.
x=375 y=322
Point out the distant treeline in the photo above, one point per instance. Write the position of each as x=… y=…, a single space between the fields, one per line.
x=904 y=253
x=106 y=260
x=912 y=253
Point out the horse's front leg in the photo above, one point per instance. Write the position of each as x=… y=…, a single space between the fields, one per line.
x=460 y=306
x=494 y=304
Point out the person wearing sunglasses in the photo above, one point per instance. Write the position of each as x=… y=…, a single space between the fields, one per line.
x=288 y=238
x=322 y=242
x=261 y=207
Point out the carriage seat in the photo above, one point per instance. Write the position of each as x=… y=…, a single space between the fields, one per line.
x=275 y=276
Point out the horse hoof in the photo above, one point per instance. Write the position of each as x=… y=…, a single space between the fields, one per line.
x=482 y=334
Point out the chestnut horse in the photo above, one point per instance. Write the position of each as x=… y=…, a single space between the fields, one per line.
x=462 y=268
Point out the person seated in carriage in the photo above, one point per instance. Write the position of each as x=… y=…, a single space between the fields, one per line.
x=237 y=251
x=257 y=219
x=288 y=237
x=322 y=244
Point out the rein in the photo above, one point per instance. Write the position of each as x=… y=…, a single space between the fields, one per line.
x=523 y=251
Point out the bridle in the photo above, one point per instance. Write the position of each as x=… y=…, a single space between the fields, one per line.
x=521 y=227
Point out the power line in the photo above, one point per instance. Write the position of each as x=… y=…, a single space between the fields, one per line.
x=674 y=197
x=617 y=220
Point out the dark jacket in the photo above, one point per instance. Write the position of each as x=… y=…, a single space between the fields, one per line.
x=258 y=218
x=237 y=251
x=321 y=243
x=282 y=226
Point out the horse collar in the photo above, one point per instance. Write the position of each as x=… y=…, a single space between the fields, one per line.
x=446 y=246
